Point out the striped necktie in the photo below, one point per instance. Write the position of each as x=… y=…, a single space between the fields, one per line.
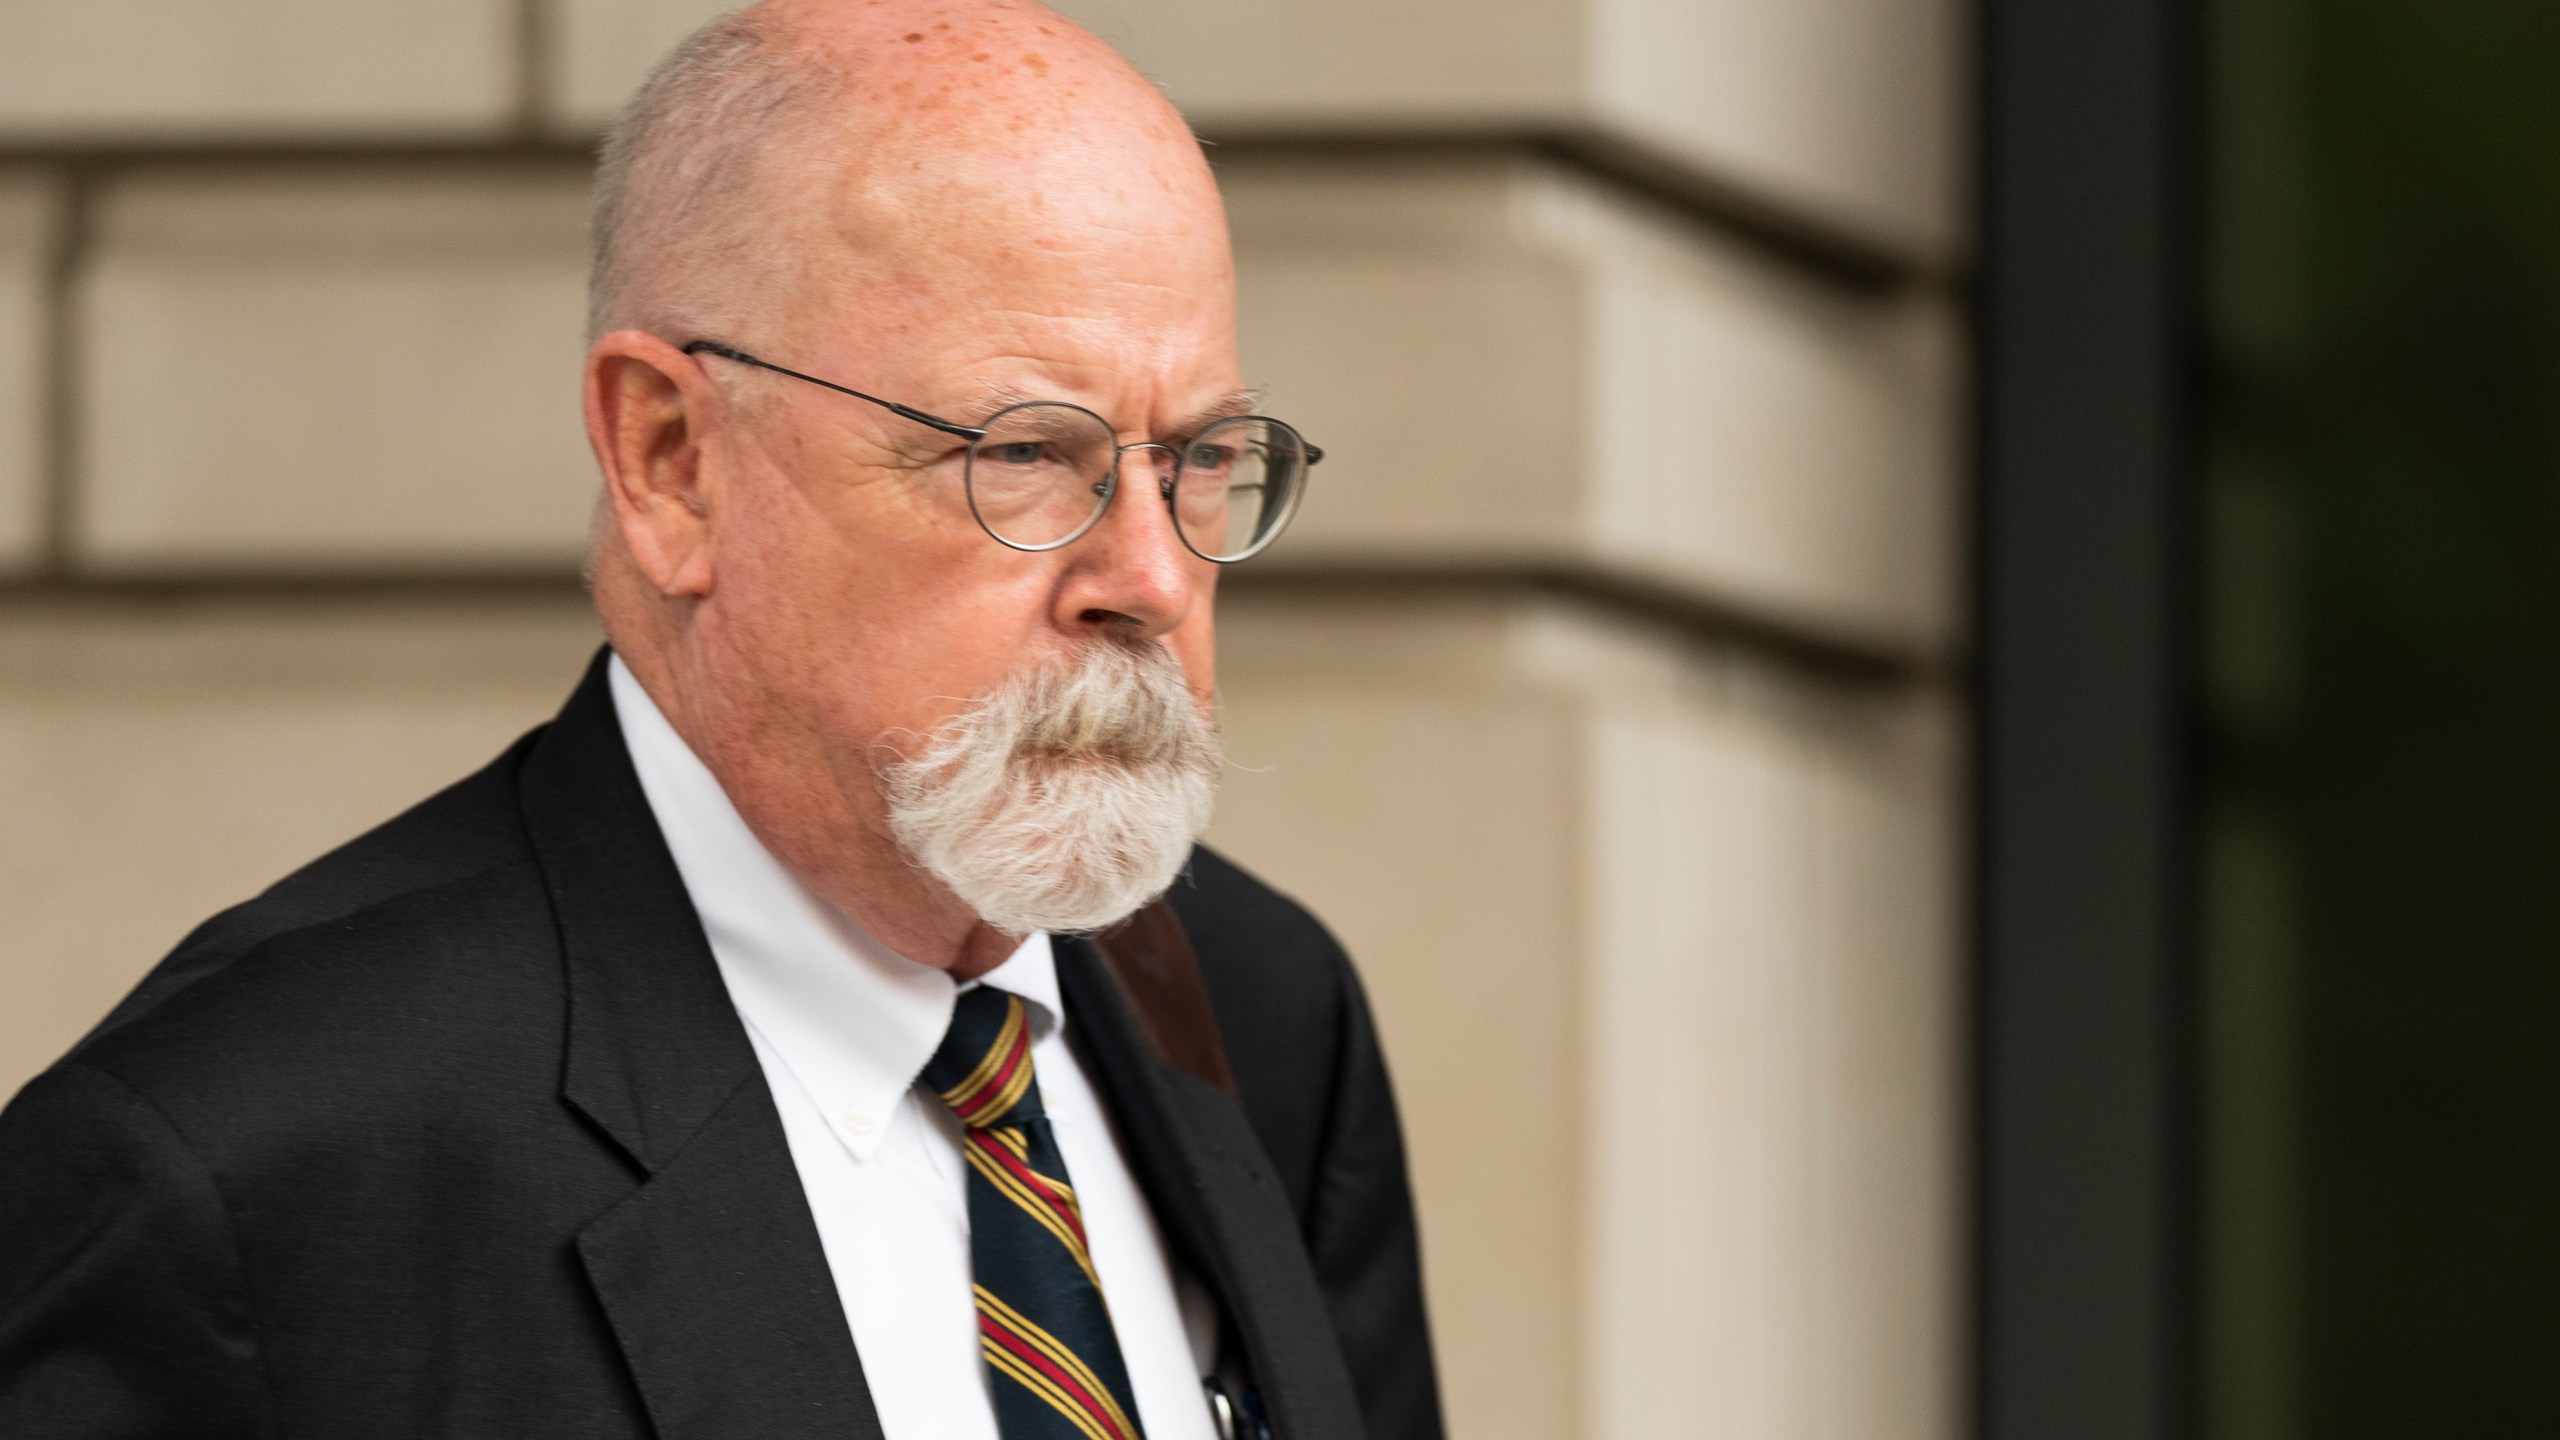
x=1042 y=1325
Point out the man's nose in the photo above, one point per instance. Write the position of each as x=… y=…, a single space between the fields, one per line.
x=1132 y=571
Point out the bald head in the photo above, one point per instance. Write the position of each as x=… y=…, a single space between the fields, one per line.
x=792 y=157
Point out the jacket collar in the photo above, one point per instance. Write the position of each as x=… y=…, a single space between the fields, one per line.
x=710 y=1273
x=654 y=1047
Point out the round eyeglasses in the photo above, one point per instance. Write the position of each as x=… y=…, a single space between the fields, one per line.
x=1040 y=474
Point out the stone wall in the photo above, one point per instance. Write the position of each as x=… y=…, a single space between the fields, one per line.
x=1602 y=699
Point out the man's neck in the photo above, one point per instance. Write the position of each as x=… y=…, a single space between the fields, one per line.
x=828 y=849
x=985 y=948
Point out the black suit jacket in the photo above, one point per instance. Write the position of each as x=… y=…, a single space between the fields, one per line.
x=455 y=1133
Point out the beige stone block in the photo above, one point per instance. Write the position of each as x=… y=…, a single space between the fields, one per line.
x=30 y=219
x=1842 y=109
x=163 y=761
x=1662 y=945
x=327 y=370
x=1850 y=111
x=1510 y=366
x=1776 y=1078
x=257 y=69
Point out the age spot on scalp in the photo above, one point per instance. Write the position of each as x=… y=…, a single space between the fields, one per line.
x=912 y=37
x=1033 y=63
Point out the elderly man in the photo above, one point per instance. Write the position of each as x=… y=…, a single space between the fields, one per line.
x=767 y=1046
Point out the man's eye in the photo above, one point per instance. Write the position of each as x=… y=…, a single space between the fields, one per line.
x=1020 y=452
x=1209 y=457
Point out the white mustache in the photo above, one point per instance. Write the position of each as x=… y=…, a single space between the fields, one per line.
x=1066 y=798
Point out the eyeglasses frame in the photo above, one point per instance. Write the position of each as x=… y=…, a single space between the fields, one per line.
x=975 y=433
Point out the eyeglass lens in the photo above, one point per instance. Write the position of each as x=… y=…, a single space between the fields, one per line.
x=1041 y=476
x=1036 y=478
x=1239 y=481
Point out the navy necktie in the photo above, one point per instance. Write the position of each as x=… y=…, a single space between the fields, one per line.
x=1042 y=1325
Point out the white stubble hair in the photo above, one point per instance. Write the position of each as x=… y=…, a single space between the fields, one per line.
x=1068 y=797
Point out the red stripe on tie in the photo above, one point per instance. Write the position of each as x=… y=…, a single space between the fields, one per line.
x=1030 y=1355
x=998 y=1083
x=1039 y=1184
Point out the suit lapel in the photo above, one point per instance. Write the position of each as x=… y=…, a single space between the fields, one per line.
x=720 y=1296
x=1220 y=1202
x=711 y=1272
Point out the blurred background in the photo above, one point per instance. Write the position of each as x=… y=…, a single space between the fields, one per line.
x=1931 y=624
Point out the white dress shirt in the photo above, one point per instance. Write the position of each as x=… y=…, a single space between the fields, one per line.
x=842 y=1026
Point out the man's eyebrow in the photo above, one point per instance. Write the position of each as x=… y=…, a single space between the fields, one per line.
x=994 y=398
x=1226 y=407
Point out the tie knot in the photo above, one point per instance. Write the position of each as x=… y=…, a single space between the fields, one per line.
x=983 y=1070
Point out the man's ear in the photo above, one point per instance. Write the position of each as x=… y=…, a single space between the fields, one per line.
x=646 y=402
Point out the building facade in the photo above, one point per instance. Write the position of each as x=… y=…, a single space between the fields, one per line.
x=1604 y=698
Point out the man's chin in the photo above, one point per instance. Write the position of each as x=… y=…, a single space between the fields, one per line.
x=1021 y=891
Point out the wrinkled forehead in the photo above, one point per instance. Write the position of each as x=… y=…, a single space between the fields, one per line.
x=973 y=214
x=1116 y=232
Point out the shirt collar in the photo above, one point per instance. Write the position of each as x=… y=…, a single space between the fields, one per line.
x=853 y=1020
